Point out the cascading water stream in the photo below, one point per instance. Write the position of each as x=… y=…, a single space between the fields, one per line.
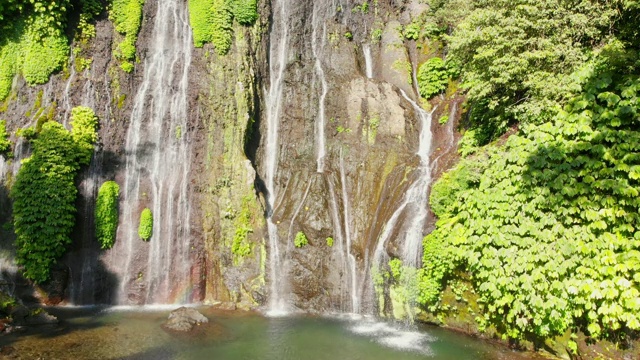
x=368 y=62
x=351 y=259
x=316 y=49
x=158 y=158
x=278 y=53
x=415 y=199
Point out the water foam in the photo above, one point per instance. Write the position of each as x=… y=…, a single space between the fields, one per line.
x=395 y=336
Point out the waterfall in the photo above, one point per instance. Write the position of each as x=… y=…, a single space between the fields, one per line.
x=351 y=259
x=415 y=200
x=368 y=62
x=320 y=122
x=278 y=52
x=158 y=158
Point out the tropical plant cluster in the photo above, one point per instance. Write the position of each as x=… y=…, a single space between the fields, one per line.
x=544 y=223
x=548 y=225
x=106 y=214
x=44 y=192
x=518 y=57
x=5 y=144
x=433 y=77
x=145 y=228
x=212 y=20
x=126 y=16
x=33 y=42
x=300 y=240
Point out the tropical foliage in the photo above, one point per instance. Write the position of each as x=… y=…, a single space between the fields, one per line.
x=127 y=18
x=518 y=57
x=212 y=20
x=300 y=240
x=432 y=77
x=545 y=223
x=145 y=229
x=548 y=224
x=44 y=194
x=33 y=41
x=106 y=214
x=5 y=144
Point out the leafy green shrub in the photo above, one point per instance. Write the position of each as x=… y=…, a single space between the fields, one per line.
x=443 y=119
x=84 y=122
x=145 y=229
x=548 y=231
x=330 y=241
x=412 y=31
x=126 y=66
x=8 y=66
x=201 y=18
x=432 y=77
x=6 y=303
x=464 y=176
x=5 y=144
x=44 y=196
x=42 y=55
x=376 y=35
x=300 y=240
x=127 y=18
x=106 y=214
x=395 y=268
x=519 y=62
x=222 y=32
x=41 y=48
x=212 y=20
x=245 y=11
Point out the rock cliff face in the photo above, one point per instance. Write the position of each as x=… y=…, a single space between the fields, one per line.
x=301 y=128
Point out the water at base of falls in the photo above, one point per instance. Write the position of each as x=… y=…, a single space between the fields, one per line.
x=273 y=97
x=158 y=158
x=104 y=333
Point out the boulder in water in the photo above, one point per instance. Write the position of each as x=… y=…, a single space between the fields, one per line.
x=184 y=319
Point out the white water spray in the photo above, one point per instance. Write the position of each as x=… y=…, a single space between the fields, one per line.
x=317 y=48
x=355 y=298
x=415 y=199
x=278 y=53
x=157 y=167
x=368 y=62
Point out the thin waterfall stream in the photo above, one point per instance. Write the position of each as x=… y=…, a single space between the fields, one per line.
x=317 y=48
x=278 y=53
x=158 y=158
x=415 y=199
x=351 y=259
x=368 y=62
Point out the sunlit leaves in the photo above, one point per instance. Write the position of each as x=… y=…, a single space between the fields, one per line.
x=44 y=196
x=548 y=231
x=106 y=214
